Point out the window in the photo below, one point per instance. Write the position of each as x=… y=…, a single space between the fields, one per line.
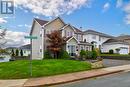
x=68 y=34
x=94 y=37
x=71 y=33
x=81 y=48
x=99 y=38
x=79 y=37
x=85 y=40
x=87 y=48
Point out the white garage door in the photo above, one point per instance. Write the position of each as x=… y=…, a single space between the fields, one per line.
x=123 y=51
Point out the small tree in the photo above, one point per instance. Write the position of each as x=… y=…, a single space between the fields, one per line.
x=111 y=51
x=56 y=42
x=12 y=53
x=17 y=52
x=21 y=52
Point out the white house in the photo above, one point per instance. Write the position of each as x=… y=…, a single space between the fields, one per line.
x=116 y=45
x=96 y=38
x=106 y=42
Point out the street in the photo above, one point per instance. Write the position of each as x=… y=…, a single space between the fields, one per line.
x=114 y=62
x=115 y=80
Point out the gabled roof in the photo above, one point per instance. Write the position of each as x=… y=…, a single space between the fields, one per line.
x=66 y=25
x=69 y=38
x=97 y=33
x=41 y=22
x=115 y=41
x=77 y=30
x=11 y=48
x=123 y=37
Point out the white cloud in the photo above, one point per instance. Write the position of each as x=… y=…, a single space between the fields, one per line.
x=127 y=11
x=25 y=25
x=106 y=6
x=119 y=3
x=52 y=7
x=2 y=20
x=16 y=38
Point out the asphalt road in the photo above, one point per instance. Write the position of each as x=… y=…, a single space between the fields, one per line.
x=113 y=62
x=115 y=80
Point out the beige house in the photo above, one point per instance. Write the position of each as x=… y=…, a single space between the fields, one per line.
x=74 y=41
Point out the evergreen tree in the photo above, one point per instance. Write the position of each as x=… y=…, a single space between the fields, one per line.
x=12 y=53
x=17 y=52
x=21 y=52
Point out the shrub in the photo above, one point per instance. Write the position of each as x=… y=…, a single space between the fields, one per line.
x=129 y=53
x=64 y=55
x=88 y=54
x=111 y=51
x=82 y=53
x=94 y=54
x=47 y=55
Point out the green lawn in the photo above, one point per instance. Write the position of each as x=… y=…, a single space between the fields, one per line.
x=20 y=69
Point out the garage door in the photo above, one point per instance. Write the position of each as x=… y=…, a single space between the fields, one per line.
x=123 y=51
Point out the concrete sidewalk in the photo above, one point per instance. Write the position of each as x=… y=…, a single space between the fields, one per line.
x=52 y=80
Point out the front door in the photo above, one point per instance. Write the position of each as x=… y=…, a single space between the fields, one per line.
x=72 y=50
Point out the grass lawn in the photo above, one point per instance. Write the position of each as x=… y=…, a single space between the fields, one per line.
x=20 y=69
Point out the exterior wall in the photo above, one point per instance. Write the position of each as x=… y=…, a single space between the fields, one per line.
x=79 y=37
x=72 y=42
x=37 y=43
x=55 y=25
x=98 y=39
x=67 y=32
x=26 y=52
x=107 y=47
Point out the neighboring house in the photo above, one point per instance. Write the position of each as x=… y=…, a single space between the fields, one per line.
x=26 y=49
x=125 y=38
x=76 y=40
x=117 y=46
x=96 y=38
x=9 y=49
x=74 y=37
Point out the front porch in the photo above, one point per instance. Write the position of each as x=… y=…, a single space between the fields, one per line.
x=73 y=47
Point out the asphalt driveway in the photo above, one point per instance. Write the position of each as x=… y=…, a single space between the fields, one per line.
x=115 y=80
x=114 y=62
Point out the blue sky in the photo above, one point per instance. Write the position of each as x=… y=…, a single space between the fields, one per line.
x=108 y=16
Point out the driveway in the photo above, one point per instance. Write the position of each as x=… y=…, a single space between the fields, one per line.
x=115 y=80
x=114 y=62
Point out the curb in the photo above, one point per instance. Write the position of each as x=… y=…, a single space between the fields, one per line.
x=72 y=80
